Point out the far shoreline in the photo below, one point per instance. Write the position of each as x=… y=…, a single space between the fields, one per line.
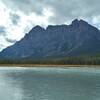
x=47 y=65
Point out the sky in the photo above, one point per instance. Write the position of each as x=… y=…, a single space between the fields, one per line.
x=17 y=17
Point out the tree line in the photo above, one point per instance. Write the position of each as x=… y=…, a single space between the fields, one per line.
x=80 y=60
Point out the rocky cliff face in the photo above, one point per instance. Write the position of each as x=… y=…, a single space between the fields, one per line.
x=78 y=38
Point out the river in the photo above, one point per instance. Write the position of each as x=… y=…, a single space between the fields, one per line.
x=49 y=83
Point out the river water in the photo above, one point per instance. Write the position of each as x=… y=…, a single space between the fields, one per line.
x=49 y=83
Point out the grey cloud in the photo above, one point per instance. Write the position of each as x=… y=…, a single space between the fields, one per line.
x=63 y=9
x=14 y=18
x=71 y=9
x=2 y=30
x=26 y=6
x=10 y=40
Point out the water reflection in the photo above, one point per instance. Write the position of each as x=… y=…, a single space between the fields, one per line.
x=49 y=84
x=9 y=91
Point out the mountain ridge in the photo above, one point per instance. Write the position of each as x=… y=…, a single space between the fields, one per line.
x=78 y=38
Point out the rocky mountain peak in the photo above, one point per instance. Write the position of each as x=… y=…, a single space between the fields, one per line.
x=56 y=41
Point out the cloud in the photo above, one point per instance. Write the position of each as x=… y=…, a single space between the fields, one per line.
x=27 y=6
x=15 y=18
x=64 y=10
x=11 y=40
x=71 y=9
x=2 y=30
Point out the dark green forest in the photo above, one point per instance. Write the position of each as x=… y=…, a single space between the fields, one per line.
x=79 y=60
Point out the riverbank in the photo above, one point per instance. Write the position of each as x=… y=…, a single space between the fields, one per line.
x=45 y=65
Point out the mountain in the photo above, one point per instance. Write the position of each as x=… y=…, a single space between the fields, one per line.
x=78 y=38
